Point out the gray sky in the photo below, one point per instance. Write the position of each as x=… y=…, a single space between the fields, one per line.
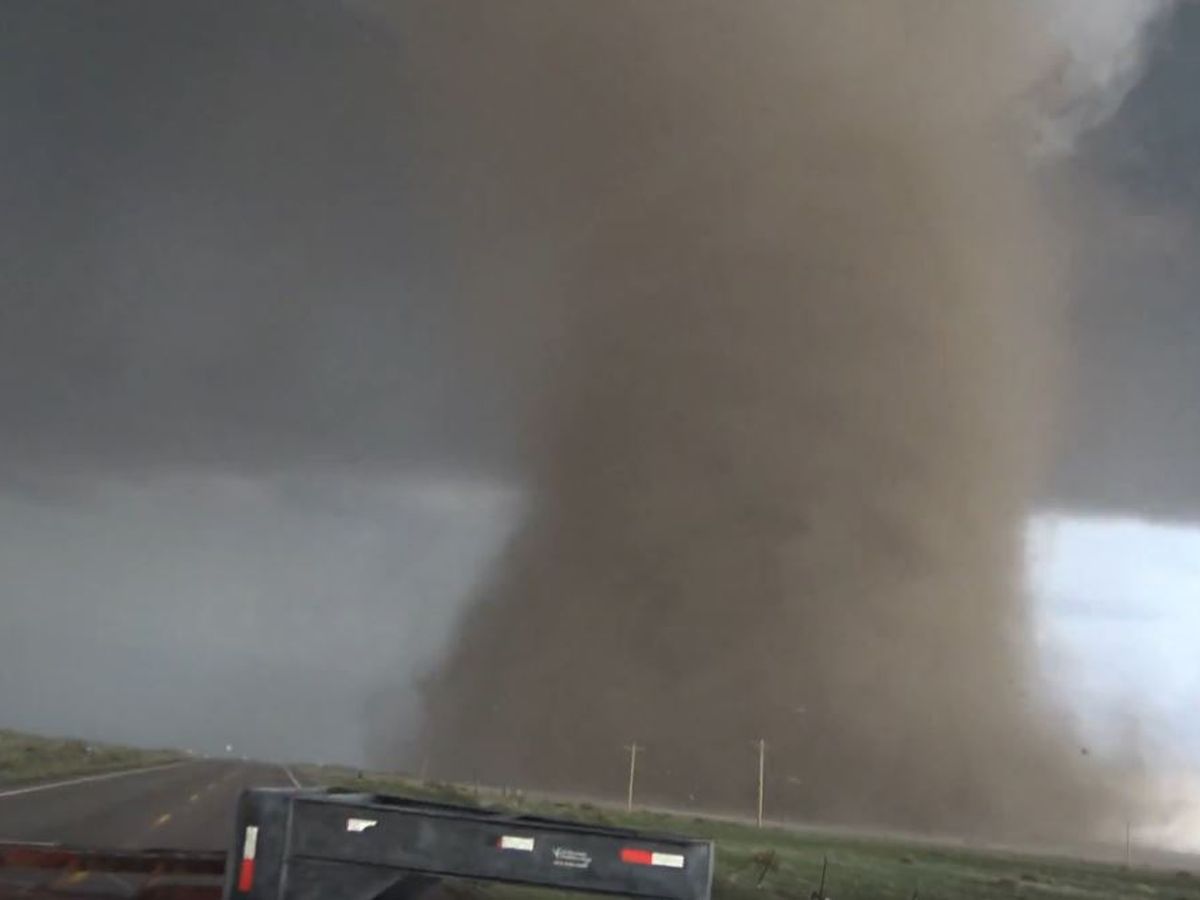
x=207 y=610
x=252 y=463
x=245 y=473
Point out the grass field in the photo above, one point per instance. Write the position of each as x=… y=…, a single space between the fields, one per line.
x=785 y=864
x=27 y=757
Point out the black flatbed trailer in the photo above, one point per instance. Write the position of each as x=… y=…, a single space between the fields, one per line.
x=319 y=845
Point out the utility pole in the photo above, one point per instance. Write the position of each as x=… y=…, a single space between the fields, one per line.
x=1128 y=848
x=762 y=768
x=633 y=750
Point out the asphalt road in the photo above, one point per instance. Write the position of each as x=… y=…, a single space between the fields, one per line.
x=188 y=806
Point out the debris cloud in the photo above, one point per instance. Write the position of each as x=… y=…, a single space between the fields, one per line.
x=785 y=297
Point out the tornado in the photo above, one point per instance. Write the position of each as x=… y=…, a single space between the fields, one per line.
x=780 y=291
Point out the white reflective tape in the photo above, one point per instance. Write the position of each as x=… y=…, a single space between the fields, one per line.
x=674 y=860
x=360 y=824
x=251 y=842
x=512 y=842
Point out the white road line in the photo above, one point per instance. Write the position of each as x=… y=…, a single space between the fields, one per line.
x=105 y=777
x=288 y=772
x=124 y=885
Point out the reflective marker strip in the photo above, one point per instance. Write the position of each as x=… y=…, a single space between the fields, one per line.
x=246 y=872
x=512 y=842
x=246 y=875
x=648 y=858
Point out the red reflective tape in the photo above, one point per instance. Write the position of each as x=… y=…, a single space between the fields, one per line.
x=249 y=848
x=637 y=857
x=246 y=875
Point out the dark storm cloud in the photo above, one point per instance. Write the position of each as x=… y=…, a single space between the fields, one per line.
x=213 y=249
x=1132 y=429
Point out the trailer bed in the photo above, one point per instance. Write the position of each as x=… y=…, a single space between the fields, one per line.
x=316 y=845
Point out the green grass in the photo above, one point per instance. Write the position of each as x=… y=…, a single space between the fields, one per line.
x=788 y=862
x=27 y=757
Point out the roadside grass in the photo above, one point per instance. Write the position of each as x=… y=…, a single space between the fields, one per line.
x=28 y=758
x=785 y=864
